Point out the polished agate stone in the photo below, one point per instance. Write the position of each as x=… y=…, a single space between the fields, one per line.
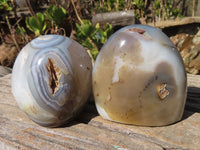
x=51 y=79
x=139 y=78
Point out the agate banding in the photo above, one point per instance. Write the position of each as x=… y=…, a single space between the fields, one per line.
x=139 y=78
x=51 y=79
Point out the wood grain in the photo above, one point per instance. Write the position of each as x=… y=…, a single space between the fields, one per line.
x=118 y=18
x=90 y=132
x=177 y=22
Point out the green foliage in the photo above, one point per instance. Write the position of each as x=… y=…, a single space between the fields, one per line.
x=139 y=7
x=36 y=24
x=5 y=5
x=92 y=37
x=157 y=4
x=20 y=30
x=101 y=35
x=55 y=14
x=157 y=7
x=142 y=8
x=171 y=9
x=109 y=5
x=166 y=9
x=176 y=13
x=40 y=22
x=138 y=4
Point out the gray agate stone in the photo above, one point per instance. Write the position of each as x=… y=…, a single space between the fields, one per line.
x=51 y=79
x=139 y=78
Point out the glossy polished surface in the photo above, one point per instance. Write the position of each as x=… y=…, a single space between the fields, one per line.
x=139 y=78
x=51 y=79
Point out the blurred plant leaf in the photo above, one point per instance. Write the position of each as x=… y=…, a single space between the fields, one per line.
x=86 y=28
x=92 y=37
x=20 y=30
x=5 y=5
x=36 y=24
x=55 y=14
x=94 y=53
x=157 y=4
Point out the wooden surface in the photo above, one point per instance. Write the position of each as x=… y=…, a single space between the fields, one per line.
x=177 y=22
x=90 y=132
x=118 y=18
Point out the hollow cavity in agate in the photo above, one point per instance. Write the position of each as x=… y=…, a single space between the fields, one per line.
x=139 y=78
x=51 y=79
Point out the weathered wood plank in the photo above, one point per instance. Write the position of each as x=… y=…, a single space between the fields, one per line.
x=19 y=129
x=194 y=81
x=118 y=18
x=182 y=135
x=4 y=70
x=90 y=131
x=177 y=22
